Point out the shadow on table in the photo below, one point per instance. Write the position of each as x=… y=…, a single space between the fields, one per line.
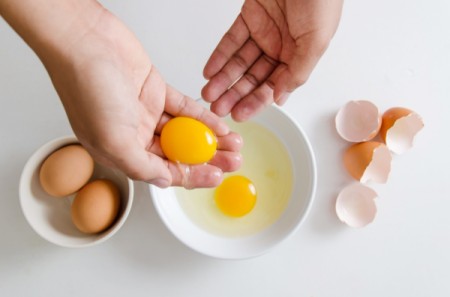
x=331 y=175
x=145 y=239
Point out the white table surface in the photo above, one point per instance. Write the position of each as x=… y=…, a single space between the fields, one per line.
x=395 y=53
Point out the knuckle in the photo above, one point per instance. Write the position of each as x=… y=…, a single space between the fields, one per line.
x=240 y=61
x=251 y=78
x=232 y=38
x=182 y=104
x=270 y=60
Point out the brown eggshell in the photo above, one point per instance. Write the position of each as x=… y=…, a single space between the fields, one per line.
x=66 y=170
x=399 y=127
x=96 y=206
x=368 y=161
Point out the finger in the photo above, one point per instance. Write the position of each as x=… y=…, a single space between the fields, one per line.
x=178 y=104
x=138 y=164
x=227 y=161
x=249 y=82
x=287 y=77
x=195 y=176
x=162 y=121
x=233 y=40
x=231 y=142
x=253 y=103
x=238 y=64
x=154 y=147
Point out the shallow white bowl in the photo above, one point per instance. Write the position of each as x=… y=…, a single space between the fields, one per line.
x=304 y=185
x=50 y=216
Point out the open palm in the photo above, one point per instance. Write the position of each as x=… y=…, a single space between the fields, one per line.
x=270 y=50
x=117 y=103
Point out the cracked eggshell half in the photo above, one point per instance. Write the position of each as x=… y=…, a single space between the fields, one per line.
x=399 y=127
x=358 y=121
x=368 y=161
x=355 y=205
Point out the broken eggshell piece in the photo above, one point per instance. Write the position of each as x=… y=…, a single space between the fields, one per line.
x=368 y=161
x=358 y=121
x=399 y=127
x=355 y=205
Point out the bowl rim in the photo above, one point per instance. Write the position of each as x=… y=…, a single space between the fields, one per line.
x=64 y=141
x=289 y=233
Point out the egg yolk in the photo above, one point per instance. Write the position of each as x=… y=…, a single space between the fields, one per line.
x=186 y=140
x=235 y=196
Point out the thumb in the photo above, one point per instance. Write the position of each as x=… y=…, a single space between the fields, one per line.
x=296 y=71
x=139 y=164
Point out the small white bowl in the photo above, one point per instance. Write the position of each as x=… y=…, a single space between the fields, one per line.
x=50 y=217
x=304 y=185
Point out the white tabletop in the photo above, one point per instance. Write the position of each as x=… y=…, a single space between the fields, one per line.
x=394 y=53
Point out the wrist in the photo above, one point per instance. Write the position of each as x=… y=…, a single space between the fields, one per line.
x=51 y=27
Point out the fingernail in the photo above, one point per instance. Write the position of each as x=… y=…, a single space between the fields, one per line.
x=282 y=98
x=160 y=182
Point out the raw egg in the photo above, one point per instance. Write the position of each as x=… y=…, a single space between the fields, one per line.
x=400 y=126
x=368 y=161
x=267 y=166
x=188 y=141
x=66 y=170
x=96 y=206
x=236 y=196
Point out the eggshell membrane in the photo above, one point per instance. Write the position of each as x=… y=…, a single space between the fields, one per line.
x=66 y=170
x=358 y=121
x=368 y=161
x=355 y=205
x=399 y=127
x=96 y=206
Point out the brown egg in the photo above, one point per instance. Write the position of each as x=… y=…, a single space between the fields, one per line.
x=95 y=206
x=66 y=170
x=399 y=127
x=368 y=161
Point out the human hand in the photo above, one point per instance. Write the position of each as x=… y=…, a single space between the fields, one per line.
x=117 y=103
x=269 y=51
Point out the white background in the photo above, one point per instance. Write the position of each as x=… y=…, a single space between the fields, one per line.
x=394 y=53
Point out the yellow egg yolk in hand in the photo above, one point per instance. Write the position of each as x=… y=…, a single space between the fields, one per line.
x=236 y=196
x=188 y=141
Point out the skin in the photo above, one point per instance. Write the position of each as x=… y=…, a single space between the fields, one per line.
x=269 y=51
x=117 y=102
x=115 y=99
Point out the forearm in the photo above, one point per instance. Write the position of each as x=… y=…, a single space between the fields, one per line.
x=50 y=27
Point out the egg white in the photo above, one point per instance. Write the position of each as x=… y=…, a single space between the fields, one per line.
x=267 y=163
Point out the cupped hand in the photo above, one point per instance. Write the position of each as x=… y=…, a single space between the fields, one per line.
x=117 y=103
x=269 y=51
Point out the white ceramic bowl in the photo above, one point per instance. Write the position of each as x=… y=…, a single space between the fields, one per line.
x=304 y=185
x=50 y=216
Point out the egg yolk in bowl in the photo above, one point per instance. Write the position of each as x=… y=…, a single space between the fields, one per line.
x=235 y=196
x=235 y=208
x=186 y=140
